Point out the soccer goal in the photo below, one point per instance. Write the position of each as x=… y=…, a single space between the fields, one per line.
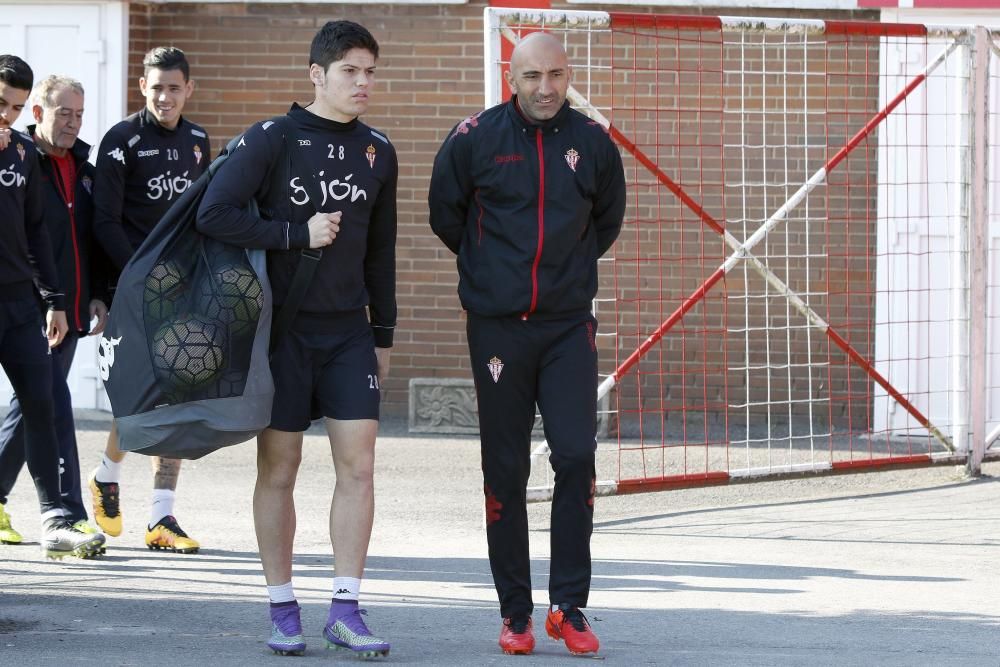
x=790 y=294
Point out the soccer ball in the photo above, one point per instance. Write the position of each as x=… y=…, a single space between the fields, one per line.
x=232 y=294
x=188 y=353
x=232 y=383
x=164 y=291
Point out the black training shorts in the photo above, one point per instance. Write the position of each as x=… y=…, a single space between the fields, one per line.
x=332 y=373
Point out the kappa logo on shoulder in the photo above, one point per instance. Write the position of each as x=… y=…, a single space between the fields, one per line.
x=106 y=356
x=117 y=154
x=466 y=125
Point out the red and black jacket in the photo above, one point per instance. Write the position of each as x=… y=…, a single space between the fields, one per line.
x=82 y=266
x=528 y=209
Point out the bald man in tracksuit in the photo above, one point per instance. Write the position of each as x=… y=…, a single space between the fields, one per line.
x=529 y=194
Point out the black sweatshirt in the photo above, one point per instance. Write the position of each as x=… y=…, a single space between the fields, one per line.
x=81 y=265
x=354 y=170
x=528 y=209
x=25 y=249
x=142 y=168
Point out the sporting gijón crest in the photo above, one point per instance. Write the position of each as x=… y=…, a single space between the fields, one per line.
x=496 y=367
x=572 y=157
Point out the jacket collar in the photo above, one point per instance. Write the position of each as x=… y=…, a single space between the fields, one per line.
x=310 y=121
x=547 y=126
x=147 y=119
x=80 y=149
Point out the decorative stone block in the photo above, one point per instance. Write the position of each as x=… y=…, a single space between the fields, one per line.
x=448 y=405
x=443 y=405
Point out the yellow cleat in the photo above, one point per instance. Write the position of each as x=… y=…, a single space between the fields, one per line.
x=106 y=510
x=166 y=534
x=88 y=528
x=7 y=533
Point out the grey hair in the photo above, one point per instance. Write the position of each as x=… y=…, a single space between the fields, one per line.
x=43 y=90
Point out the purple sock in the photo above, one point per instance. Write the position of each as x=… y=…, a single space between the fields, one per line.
x=340 y=608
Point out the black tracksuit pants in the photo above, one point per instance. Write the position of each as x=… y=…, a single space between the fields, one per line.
x=13 y=452
x=24 y=356
x=516 y=363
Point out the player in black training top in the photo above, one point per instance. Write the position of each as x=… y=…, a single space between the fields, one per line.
x=340 y=195
x=27 y=271
x=144 y=164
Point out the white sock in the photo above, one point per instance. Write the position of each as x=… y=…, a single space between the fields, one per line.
x=346 y=588
x=108 y=471
x=555 y=607
x=163 y=505
x=282 y=593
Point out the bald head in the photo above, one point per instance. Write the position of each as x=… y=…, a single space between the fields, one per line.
x=539 y=76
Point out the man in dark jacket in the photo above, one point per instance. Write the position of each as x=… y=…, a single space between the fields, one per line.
x=67 y=209
x=27 y=271
x=529 y=194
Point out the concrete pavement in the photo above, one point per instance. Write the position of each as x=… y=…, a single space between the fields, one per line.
x=891 y=568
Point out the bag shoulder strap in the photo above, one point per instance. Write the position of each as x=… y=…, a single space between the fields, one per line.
x=309 y=257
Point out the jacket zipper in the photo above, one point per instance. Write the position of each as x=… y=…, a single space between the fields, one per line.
x=541 y=224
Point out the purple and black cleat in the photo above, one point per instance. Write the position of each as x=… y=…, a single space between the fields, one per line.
x=286 y=629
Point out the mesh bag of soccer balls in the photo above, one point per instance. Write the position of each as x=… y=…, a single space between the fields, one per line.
x=200 y=307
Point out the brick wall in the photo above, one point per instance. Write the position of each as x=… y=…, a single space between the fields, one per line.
x=249 y=61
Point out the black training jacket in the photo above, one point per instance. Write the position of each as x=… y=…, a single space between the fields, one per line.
x=142 y=168
x=25 y=248
x=81 y=264
x=528 y=209
x=353 y=169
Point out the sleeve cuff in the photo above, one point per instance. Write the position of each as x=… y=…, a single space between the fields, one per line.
x=298 y=236
x=383 y=335
x=56 y=302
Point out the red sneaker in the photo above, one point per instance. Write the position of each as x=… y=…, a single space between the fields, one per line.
x=570 y=625
x=517 y=636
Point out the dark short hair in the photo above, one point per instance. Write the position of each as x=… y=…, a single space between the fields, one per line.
x=336 y=38
x=166 y=58
x=16 y=73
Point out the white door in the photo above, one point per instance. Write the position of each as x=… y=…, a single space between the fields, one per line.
x=918 y=347
x=87 y=41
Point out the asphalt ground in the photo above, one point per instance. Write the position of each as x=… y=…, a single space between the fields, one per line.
x=886 y=568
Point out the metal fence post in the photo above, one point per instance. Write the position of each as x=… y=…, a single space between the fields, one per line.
x=979 y=247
